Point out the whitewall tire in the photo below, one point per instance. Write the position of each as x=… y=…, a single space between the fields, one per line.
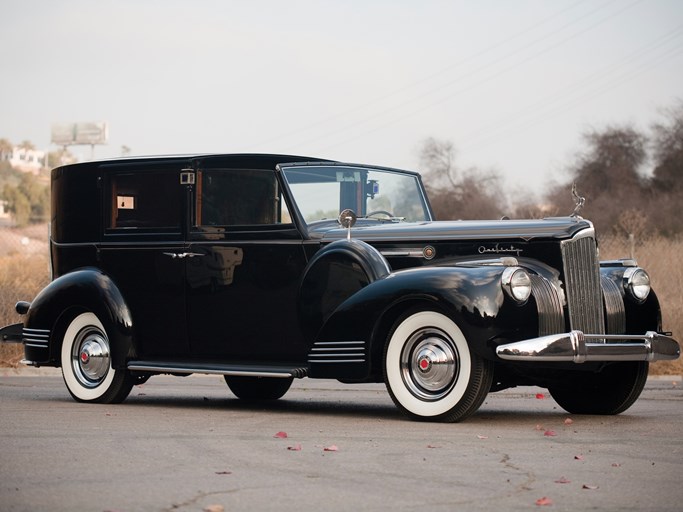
x=86 y=363
x=429 y=370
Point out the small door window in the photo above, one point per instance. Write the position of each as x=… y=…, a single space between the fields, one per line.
x=145 y=201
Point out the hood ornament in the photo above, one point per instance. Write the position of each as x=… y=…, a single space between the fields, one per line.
x=579 y=202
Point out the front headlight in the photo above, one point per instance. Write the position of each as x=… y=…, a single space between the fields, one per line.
x=517 y=284
x=637 y=283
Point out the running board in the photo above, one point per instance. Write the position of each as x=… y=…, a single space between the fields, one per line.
x=235 y=370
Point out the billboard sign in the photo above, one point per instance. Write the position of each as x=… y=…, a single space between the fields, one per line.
x=79 y=133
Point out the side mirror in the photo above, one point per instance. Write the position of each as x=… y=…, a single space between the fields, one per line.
x=347 y=219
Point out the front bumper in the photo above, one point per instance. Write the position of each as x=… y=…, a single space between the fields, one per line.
x=575 y=346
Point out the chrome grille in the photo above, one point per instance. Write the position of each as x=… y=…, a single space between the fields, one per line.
x=582 y=284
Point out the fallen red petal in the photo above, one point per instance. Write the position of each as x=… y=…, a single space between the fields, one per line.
x=549 y=433
x=295 y=448
x=331 y=448
x=563 y=480
x=540 y=396
x=281 y=435
x=541 y=502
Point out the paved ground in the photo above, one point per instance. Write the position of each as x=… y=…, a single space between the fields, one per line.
x=185 y=444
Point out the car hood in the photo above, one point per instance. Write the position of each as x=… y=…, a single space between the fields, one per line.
x=369 y=230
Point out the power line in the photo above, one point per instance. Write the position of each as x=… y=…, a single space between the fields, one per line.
x=530 y=115
x=503 y=43
x=462 y=90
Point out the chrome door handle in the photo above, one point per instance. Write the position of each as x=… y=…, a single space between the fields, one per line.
x=181 y=255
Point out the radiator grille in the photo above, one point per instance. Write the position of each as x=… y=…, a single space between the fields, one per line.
x=582 y=285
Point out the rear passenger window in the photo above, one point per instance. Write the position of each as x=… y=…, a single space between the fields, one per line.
x=239 y=198
x=145 y=200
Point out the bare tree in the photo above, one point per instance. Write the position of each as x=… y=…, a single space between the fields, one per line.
x=456 y=194
x=668 y=150
x=667 y=179
x=608 y=174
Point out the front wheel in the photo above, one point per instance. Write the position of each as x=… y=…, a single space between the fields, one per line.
x=429 y=370
x=258 y=388
x=611 y=391
x=86 y=363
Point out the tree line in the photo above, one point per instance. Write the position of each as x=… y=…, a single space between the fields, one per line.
x=621 y=198
x=27 y=195
x=610 y=173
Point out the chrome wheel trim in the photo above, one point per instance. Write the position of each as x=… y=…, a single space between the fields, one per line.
x=429 y=364
x=85 y=322
x=90 y=357
x=451 y=396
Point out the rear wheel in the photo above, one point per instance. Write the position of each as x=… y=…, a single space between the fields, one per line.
x=258 y=388
x=86 y=363
x=611 y=391
x=429 y=370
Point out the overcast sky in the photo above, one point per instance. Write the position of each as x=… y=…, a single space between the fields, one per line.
x=513 y=84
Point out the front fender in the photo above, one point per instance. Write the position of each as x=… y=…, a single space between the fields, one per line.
x=336 y=272
x=633 y=317
x=471 y=296
x=87 y=289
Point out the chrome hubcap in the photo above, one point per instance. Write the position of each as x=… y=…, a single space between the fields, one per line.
x=429 y=364
x=90 y=357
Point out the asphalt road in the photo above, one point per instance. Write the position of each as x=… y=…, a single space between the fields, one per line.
x=185 y=444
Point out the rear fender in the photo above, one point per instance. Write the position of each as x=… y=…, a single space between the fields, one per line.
x=87 y=289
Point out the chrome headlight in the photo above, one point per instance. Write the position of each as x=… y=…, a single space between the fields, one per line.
x=517 y=284
x=637 y=283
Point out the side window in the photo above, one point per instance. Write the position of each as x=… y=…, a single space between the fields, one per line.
x=239 y=198
x=145 y=200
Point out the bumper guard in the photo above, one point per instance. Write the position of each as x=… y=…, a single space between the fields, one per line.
x=575 y=346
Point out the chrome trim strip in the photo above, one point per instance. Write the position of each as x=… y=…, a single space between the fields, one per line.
x=338 y=361
x=188 y=370
x=548 y=306
x=337 y=352
x=403 y=253
x=35 y=345
x=573 y=347
x=33 y=340
x=614 y=306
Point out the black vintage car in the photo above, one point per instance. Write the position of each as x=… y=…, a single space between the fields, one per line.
x=267 y=268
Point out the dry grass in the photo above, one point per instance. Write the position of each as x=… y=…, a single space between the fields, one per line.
x=662 y=258
x=22 y=276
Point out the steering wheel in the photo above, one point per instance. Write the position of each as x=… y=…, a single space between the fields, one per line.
x=378 y=212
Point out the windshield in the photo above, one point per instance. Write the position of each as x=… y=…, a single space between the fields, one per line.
x=321 y=192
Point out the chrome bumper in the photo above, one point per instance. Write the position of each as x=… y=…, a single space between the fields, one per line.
x=574 y=347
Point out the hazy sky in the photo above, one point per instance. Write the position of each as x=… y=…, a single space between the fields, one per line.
x=512 y=84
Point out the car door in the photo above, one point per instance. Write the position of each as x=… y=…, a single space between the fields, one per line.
x=142 y=250
x=242 y=278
